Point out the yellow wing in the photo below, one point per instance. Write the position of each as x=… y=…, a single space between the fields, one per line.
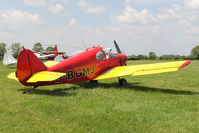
x=45 y=76
x=51 y=63
x=144 y=69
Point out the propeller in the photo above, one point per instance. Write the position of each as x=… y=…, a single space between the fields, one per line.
x=117 y=47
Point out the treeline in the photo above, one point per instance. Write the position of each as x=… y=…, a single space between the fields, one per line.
x=194 y=55
x=162 y=57
x=16 y=48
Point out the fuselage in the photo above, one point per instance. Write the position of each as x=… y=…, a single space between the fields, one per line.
x=86 y=65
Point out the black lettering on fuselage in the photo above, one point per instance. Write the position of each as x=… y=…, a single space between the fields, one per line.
x=92 y=72
x=78 y=73
x=86 y=71
x=70 y=75
x=58 y=80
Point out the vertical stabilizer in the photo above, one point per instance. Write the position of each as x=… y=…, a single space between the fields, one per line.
x=27 y=65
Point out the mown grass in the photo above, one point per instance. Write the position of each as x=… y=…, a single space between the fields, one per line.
x=166 y=102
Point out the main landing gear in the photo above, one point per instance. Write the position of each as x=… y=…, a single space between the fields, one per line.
x=93 y=81
x=122 y=82
x=31 y=88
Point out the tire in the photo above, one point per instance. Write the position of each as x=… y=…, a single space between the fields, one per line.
x=123 y=82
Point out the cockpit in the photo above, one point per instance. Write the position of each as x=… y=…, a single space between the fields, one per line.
x=100 y=56
x=105 y=54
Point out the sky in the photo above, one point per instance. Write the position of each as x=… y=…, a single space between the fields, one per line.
x=138 y=26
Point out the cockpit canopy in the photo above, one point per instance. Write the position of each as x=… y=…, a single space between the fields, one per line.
x=100 y=56
x=105 y=54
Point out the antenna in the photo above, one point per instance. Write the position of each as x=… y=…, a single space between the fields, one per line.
x=84 y=44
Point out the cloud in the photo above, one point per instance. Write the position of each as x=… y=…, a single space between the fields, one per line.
x=64 y=1
x=127 y=2
x=146 y=2
x=57 y=9
x=19 y=20
x=194 y=4
x=89 y=9
x=72 y=22
x=133 y=16
x=35 y=2
x=51 y=6
x=170 y=30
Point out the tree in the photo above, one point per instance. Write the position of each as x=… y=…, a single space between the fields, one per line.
x=152 y=55
x=142 y=57
x=2 y=49
x=133 y=57
x=16 y=48
x=38 y=47
x=171 y=57
x=49 y=48
x=195 y=52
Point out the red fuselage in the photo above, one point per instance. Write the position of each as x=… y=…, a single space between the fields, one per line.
x=85 y=65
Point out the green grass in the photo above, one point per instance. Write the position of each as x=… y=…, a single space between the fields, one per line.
x=166 y=102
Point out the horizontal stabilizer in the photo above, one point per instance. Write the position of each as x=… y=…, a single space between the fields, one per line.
x=12 y=76
x=145 y=69
x=45 y=76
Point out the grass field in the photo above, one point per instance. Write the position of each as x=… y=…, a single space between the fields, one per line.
x=163 y=103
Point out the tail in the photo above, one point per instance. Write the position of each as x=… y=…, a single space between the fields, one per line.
x=27 y=65
x=31 y=71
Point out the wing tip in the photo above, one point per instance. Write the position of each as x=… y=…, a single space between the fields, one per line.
x=185 y=64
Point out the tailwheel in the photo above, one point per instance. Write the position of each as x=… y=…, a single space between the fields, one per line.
x=93 y=81
x=122 y=82
x=29 y=89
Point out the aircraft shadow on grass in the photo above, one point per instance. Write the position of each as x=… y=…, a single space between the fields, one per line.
x=55 y=92
x=86 y=85
x=135 y=86
x=11 y=67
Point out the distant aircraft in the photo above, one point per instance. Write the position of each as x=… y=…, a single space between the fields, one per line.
x=93 y=64
x=50 y=55
x=8 y=58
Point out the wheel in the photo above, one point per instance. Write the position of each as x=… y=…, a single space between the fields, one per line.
x=123 y=82
x=93 y=81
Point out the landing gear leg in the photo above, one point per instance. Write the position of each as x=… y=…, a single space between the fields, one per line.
x=31 y=88
x=93 y=81
x=122 y=82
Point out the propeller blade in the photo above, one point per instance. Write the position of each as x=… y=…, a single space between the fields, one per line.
x=117 y=47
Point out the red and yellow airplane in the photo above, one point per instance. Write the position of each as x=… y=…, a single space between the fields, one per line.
x=93 y=64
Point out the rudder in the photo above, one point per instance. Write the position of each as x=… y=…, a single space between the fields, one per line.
x=27 y=65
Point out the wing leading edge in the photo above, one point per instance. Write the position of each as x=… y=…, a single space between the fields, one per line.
x=145 y=69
